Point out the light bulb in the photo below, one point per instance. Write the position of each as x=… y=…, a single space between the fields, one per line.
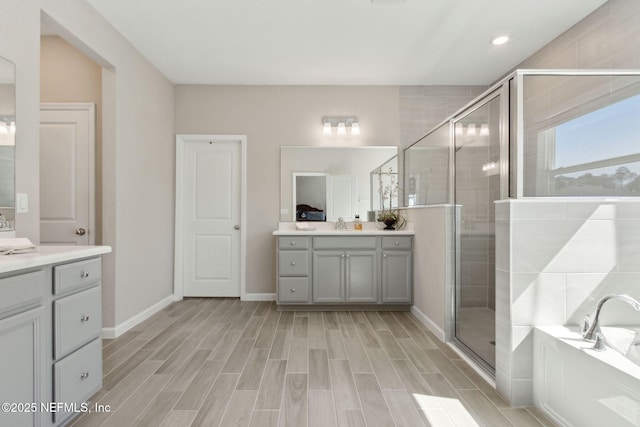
x=484 y=129
x=355 y=128
x=471 y=129
x=342 y=129
x=326 y=128
x=459 y=129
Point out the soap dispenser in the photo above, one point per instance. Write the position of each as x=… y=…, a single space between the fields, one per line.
x=357 y=225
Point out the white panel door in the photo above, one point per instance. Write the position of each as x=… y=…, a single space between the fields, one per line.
x=342 y=197
x=67 y=139
x=211 y=218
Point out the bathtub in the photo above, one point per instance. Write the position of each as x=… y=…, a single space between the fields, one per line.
x=578 y=386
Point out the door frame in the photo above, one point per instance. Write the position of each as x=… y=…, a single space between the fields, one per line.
x=181 y=140
x=90 y=108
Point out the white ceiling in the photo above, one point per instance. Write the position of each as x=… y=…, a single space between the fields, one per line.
x=344 y=42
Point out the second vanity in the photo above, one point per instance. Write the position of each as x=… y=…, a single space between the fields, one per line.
x=321 y=267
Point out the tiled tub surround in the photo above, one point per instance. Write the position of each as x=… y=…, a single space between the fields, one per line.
x=555 y=258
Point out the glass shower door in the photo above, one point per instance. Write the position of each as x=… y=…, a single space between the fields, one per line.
x=477 y=187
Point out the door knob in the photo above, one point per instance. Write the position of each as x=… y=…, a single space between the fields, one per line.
x=236 y=227
x=81 y=231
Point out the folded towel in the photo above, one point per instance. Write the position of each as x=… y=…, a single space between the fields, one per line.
x=20 y=245
x=303 y=226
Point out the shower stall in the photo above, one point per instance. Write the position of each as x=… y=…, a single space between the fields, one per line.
x=540 y=134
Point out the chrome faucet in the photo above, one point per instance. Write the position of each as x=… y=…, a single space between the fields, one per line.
x=593 y=331
x=341 y=225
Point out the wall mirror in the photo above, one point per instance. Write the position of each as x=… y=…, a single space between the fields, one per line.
x=324 y=183
x=7 y=143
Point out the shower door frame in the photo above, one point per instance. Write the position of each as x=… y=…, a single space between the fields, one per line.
x=500 y=91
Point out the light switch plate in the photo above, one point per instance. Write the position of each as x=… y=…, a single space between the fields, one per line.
x=22 y=203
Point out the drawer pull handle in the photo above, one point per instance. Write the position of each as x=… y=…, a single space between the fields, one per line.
x=384 y=256
x=84 y=375
x=396 y=243
x=84 y=318
x=293 y=263
x=347 y=256
x=84 y=274
x=292 y=243
x=292 y=290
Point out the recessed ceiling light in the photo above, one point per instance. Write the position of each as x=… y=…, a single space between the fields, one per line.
x=500 y=40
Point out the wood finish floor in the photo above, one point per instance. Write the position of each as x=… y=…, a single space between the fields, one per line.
x=210 y=362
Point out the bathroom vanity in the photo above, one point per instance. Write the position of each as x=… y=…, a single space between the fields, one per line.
x=50 y=328
x=323 y=267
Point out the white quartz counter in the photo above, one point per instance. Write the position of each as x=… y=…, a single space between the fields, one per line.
x=49 y=255
x=328 y=229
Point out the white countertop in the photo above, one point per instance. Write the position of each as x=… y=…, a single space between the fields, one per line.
x=49 y=255
x=329 y=229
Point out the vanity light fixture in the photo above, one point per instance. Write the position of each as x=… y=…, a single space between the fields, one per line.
x=471 y=129
x=7 y=126
x=459 y=129
x=484 y=129
x=344 y=125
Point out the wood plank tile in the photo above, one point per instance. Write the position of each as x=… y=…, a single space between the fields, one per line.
x=481 y=384
x=265 y=419
x=357 y=356
x=166 y=349
x=124 y=369
x=367 y=335
x=281 y=343
x=422 y=339
x=179 y=419
x=316 y=331
x=413 y=382
x=294 y=401
x=111 y=346
x=253 y=327
x=322 y=412
x=521 y=417
x=273 y=316
x=300 y=327
x=286 y=321
x=319 y=378
x=252 y=374
x=335 y=346
x=121 y=355
x=440 y=385
x=390 y=344
x=540 y=416
x=298 y=356
x=155 y=413
x=483 y=409
x=402 y=409
x=345 y=394
x=215 y=335
x=393 y=325
x=238 y=357
x=375 y=320
x=384 y=370
x=240 y=408
x=261 y=309
x=270 y=393
x=350 y=418
x=330 y=320
x=178 y=358
x=183 y=377
x=216 y=401
x=455 y=376
x=130 y=409
x=266 y=334
x=374 y=407
x=359 y=317
x=347 y=326
x=162 y=337
x=198 y=388
x=225 y=346
x=419 y=359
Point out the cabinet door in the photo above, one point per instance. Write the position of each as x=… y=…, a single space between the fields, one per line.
x=362 y=276
x=328 y=276
x=22 y=366
x=396 y=277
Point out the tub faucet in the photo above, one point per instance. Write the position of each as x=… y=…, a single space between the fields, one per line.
x=594 y=329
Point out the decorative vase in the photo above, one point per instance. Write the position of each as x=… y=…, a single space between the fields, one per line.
x=390 y=224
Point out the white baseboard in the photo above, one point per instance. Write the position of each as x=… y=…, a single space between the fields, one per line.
x=130 y=323
x=258 y=297
x=437 y=331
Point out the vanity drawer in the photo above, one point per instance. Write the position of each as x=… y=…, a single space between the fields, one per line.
x=397 y=242
x=293 y=263
x=75 y=275
x=293 y=242
x=78 y=376
x=347 y=242
x=293 y=290
x=77 y=319
x=22 y=290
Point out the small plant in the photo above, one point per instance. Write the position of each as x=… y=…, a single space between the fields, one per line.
x=389 y=191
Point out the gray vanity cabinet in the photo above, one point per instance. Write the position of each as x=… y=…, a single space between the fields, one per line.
x=24 y=321
x=345 y=270
x=397 y=270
